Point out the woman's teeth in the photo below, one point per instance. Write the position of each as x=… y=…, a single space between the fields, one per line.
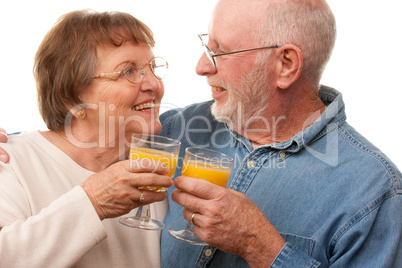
x=144 y=106
x=218 y=89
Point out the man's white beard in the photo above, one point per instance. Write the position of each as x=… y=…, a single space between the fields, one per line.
x=246 y=101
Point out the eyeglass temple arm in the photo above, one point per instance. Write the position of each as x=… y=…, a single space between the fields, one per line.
x=106 y=74
x=233 y=52
x=245 y=50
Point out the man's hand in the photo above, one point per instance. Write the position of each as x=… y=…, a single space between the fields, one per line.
x=3 y=154
x=228 y=220
x=114 y=191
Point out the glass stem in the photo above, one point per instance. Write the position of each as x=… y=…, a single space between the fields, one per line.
x=144 y=213
x=190 y=227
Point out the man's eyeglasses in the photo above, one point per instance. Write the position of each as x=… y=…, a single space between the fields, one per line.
x=211 y=55
x=134 y=71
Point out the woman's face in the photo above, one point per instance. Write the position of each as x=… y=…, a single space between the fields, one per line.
x=119 y=108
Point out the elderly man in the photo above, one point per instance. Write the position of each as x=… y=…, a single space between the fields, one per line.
x=306 y=189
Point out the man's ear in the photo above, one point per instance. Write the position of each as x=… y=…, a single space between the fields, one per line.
x=290 y=65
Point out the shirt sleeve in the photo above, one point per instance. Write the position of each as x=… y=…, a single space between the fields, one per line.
x=291 y=256
x=373 y=238
x=58 y=236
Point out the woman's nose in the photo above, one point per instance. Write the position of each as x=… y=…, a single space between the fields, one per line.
x=150 y=82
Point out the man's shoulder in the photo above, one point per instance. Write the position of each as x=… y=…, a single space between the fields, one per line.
x=192 y=109
x=365 y=156
x=193 y=120
x=188 y=112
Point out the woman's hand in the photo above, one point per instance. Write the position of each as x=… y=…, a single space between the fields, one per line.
x=114 y=191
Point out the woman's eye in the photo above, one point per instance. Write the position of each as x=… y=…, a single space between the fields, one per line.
x=130 y=71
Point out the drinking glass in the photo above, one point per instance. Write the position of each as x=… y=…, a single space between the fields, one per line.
x=211 y=166
x=154 y=147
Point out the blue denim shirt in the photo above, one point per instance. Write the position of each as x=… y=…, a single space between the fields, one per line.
x=334 y=197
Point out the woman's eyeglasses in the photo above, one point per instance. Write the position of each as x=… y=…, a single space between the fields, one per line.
x=134 y=71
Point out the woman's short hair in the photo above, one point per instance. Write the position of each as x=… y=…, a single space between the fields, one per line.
x=66 y=58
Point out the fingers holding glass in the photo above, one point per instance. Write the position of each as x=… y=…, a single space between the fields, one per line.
x=208 y=165
x=145 y=151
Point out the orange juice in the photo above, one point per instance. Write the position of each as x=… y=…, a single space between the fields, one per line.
x=213 y=173
x=165 y=157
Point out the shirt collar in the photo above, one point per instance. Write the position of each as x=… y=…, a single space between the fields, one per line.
x=333 y=116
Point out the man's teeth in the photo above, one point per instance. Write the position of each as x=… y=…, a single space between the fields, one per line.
x=218 y=89
x=144 y=106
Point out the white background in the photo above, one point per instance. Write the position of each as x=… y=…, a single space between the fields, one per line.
x=366 y=65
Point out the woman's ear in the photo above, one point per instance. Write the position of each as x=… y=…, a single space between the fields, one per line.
x=290 y=65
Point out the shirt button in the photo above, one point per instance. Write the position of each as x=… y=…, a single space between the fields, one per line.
x=250 y=164
x=208 y=252
x=282 y=154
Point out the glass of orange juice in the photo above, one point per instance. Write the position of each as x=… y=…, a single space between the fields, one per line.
x=158 y=148
x=208 y=165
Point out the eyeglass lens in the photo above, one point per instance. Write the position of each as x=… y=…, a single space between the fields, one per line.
x=159 y=67
x=207 y=50
x=135 y=70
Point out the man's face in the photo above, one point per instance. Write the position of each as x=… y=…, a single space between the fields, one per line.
x=239 y=82
x=246 y=101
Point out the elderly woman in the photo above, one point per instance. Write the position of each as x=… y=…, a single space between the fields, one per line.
x=98 y=83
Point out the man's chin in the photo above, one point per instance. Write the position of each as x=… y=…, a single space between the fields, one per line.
x=220 y=113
